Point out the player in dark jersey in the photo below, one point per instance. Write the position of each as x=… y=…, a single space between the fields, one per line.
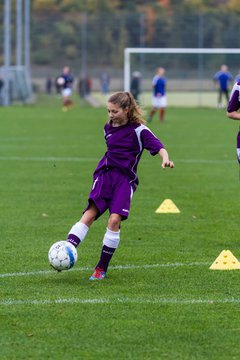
x=159 y=98
x=223 y=78
x=65 y=82
x=135 y=86
x=233 y=111
x=115 y=178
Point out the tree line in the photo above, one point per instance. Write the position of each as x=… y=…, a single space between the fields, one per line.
x=62 y=30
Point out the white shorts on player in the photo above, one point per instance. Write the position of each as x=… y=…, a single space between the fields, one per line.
x=66 y=92
x=159 y=101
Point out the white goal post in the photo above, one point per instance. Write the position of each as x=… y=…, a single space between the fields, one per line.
x=129 y=51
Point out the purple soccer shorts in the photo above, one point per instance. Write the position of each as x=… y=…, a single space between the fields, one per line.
x=111 y=190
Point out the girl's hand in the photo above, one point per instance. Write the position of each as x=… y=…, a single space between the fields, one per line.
x=165 y=159
x=167 y=163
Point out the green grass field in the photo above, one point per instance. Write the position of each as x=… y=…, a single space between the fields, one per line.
x=160 y=300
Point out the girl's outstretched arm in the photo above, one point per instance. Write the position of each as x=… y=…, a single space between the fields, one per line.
x=165 y=159
x=235 y=115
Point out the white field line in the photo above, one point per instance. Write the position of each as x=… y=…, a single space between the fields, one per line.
x=116 y=300
x=87 y=159
x=117 y=267
x=51 y=158
x=122 y=300
x=24 y=138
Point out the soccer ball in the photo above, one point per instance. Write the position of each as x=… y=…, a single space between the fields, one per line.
x=60 y=81
x=62 y=255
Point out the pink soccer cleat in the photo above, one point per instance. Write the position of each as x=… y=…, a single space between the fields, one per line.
x=98 y=274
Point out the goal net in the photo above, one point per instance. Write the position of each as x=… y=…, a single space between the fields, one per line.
x=189 y=72
x=19 y=86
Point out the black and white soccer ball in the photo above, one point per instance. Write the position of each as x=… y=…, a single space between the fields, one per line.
x=60 y=81
x=62 y=255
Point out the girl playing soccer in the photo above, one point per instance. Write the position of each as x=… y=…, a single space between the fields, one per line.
x=115 y=178
x=233 y=111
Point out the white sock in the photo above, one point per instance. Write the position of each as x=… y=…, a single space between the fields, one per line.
x=77 y=233
x=111 y=238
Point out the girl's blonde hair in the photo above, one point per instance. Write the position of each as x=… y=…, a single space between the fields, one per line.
x=126 y=100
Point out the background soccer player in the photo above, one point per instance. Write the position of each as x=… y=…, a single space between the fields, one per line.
x=135 y=85
x=66 y=87
x=223 y=78
x=104 y=82
x=159 y=98
x=115 y=178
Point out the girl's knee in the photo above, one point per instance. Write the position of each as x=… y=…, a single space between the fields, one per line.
x=114 y=222
x=90 y=215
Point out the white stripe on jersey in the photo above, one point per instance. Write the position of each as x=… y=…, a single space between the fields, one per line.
x=138 y=131
x=236 y=87
x=238 y=154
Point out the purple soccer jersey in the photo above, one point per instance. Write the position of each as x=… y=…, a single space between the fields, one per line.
x=115 y=178
x=234 y=105
x=234 y=102
x=125 y=145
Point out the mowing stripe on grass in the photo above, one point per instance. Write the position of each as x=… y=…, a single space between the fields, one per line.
x=87 y=159
x=123 y=300
x=117 y=267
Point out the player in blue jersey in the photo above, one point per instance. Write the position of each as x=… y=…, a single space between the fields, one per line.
x=115 y=178
x=223 y=78
x=159 y=98
x=233 y=111
x=65 y=81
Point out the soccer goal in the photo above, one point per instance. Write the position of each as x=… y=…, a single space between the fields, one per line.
x=189 y=72
x=19 y=86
